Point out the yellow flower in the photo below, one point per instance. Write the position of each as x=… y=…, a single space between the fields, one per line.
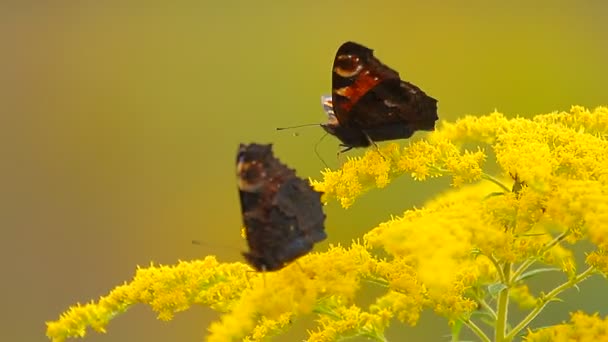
x=599 y=260
x=472 y=128
x=357 y=175
x=341 y=321
x=268 y=327
x=471 y=246
x=522 y=296
x=167 y=289
x=580 y=119
x=407 y=295
x=582 y=328
x=296 y=289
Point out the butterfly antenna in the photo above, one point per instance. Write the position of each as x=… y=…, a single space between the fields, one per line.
x=317 y=150
x=298 y=126
x=213 y=246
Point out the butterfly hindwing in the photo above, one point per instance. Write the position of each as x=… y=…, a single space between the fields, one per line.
x=371 y=102
x=282 y=214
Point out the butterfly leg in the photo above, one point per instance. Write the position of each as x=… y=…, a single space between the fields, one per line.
x=371 y=142
x=345 y=149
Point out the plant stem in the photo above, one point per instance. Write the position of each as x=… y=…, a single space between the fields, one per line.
x=499 y=269
x=483 y=176
x=503 y=306
x=482 y=336
x=487 y=306
x=523 y=267
x=526 y=264
x=548 y=298
x=495 y=181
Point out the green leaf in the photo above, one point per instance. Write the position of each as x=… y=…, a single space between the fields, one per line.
x=495 y=289
x=534 y=272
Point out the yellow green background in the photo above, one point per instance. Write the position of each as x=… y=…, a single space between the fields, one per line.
x=119 y=124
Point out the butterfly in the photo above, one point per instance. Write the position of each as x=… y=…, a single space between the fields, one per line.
x=283 y=215
x=370 y=102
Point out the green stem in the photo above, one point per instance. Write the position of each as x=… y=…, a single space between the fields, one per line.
x=503 y=307
x=499 y=269
x=488 y=308
x=482 y=336
x=548 y=298
x=373 y=336
x=495 y=181
x=523 y=267
x=377 y=281
x=483 y=176
x=529 y=262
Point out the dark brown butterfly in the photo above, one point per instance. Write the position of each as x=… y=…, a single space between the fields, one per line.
x=282 y=214
x=370 y=102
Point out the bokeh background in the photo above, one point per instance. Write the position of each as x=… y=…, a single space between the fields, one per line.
x=119 y=124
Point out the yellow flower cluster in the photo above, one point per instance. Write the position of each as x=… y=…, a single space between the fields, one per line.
x=378 y=167
x=166 y=289
x=560 y=144
x=582 y=328
x=296 y=289
x=340 y=320
x=468 y=247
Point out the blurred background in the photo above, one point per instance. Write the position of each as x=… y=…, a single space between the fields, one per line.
x=119 y=125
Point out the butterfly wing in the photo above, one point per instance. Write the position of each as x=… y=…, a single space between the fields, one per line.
x=370 y=96
x=282 y=214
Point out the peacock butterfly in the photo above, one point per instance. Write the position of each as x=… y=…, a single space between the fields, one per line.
x=370 y=102
x=283 y=215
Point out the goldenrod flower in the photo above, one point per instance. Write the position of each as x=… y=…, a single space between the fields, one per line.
x=340 y=321
x=471 y=249
x=167 y=289
x=296 y=290
x=582 y=328
x=522 y=296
